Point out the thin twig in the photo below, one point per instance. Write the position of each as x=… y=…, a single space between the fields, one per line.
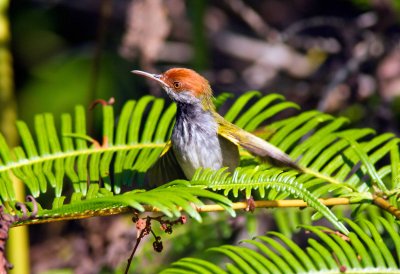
x=275 y=204
x=138 y=240
x=145 y=229
x=204 y=208
x=102 y=102
x=379 y=201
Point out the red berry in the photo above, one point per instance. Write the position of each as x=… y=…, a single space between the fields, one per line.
x=140 y=224
x=183 y=219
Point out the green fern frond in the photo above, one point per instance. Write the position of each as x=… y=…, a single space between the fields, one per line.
x=332 y=163
x=395 y=167
x=319 y=143
x=368 y=164
x=68 y=159
x=53 y=158
x=221 y=99
x=165 y=199
x=364 y=251
x=56 y=156
x=257 y=112
x=252 y=179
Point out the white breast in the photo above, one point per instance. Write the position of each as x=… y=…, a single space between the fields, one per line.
x=195 y=141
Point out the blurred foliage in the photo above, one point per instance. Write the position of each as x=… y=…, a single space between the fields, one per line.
x=55 y=73
x=57 y=85
x=201 y=57
x=7 y=98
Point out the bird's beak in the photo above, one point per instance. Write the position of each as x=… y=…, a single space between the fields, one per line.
x=156 y=77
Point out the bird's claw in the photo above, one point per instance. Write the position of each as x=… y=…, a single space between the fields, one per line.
x=250 y=205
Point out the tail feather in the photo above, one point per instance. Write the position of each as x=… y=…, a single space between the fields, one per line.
x=265 y=150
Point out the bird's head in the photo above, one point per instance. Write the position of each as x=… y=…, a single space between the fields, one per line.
x=183 y=86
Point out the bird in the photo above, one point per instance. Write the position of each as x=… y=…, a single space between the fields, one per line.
x=202 y=138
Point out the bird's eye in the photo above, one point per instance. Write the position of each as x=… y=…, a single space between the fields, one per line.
x=177 y=84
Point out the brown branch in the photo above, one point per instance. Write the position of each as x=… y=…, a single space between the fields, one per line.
x=143 y=225
x=274 y=204
x=144 y=228
x=379 y=201
x=102 y=102
x=138 y=240
x=204 y=208
x=385 y=205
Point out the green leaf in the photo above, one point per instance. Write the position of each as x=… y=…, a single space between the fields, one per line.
x=366 y=161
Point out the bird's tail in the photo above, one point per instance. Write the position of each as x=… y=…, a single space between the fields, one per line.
x=265 y=150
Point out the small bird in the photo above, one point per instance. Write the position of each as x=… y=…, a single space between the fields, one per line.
x=201 y=137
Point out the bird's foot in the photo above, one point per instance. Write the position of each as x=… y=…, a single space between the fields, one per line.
x=250 y=204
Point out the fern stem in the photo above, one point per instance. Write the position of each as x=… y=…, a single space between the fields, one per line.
x=84 y=137
x=68 y=154
x=77 y=216
x=328 y=179
x=385 y=205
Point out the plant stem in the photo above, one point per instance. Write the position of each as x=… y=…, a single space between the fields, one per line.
x=275 y=204
x=18 y=243
x=381 y=202
x=385 y=205
x=138 y=240
x=205 y=208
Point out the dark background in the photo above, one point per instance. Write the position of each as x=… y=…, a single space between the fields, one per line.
x=341 y=57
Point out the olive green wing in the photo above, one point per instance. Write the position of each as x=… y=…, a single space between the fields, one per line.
x=230 y=153
x=255 y=145
x=165 y=169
